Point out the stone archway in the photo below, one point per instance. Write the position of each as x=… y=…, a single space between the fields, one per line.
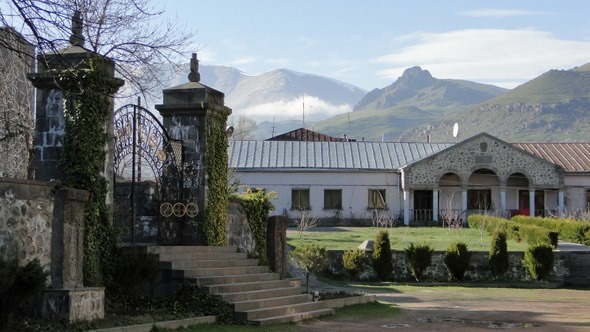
x=483 y=190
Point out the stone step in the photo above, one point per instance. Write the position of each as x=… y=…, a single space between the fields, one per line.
x=245 y=287
x=252 y=295
x=271 y=302
x=223 y=271
x=237 y=278
x=191 y=265
x=293 y=317
x=201 y=256
x=189 y=249
x=284 y=310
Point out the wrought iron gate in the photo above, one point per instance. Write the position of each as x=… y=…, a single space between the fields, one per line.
x=148 y=178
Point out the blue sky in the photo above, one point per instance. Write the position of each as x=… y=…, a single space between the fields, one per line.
x=370 y=43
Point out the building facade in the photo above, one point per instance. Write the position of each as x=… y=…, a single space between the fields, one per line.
x=364 y=183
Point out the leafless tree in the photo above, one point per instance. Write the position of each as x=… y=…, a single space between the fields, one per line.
x=451 y=214
x=130 y=32
x=382 y=218
x=306 y=221
x=243 y=128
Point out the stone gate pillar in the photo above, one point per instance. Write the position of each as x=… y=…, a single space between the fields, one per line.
x=52 y=100
x=186 y=110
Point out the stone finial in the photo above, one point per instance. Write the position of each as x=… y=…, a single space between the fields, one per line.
x=194 y=75
x=77 y=38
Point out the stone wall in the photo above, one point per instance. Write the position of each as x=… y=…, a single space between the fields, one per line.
x=482 y=151
x=26 y=215
x=238 y=229
x=479 y=269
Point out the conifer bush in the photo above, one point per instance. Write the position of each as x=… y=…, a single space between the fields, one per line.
x=498 y=260
x=355 y=262
x=419 y=258
x=382 y=258
x=456 y=259
x=538 y=260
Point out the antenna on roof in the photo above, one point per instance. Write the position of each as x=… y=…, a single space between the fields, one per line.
x=303 y=113
x=455 y=130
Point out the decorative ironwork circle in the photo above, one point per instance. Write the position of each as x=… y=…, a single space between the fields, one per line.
x=192 y=210
x=166 y=209
x=179 y=209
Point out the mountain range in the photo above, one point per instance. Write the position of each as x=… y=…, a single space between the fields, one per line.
x=416 y=107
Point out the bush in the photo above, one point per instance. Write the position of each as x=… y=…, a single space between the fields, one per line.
x=311 y=258
x=499 y=254
x=355 y=262
x=382 y=258
x=18 y=284
x=538 y=260
x=419 y=258
x=131 y=268
x=457 y=259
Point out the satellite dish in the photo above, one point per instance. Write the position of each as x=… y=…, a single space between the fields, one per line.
x=455 y=129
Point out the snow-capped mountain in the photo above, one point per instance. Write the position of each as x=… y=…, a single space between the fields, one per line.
x=277 y=95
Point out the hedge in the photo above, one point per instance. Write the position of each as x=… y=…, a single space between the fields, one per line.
x=568 y=229
x=531 y=234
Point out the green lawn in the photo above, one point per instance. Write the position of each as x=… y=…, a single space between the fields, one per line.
x=345 y=238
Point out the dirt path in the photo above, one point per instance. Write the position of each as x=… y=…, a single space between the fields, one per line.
x=474 y=309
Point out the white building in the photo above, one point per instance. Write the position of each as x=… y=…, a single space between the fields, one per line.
x=354 y=183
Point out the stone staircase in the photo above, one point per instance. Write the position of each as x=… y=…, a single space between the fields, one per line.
x=258 y=296
x=579 y=266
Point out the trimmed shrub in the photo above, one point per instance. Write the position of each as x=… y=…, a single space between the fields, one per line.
x=311 y=258
x=18 y=284
x=419 y=258
x=457 y=259
x=382 y=258
x=498 y=254
x=355 y=262
x=538 y=260
x=132 y=267
x=569 y=230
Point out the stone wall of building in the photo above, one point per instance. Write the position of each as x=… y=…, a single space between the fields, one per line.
x=479 y=269
x=482 y=152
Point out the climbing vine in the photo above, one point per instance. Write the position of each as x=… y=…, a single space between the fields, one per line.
x=257 y=204
x=216 y=163
x=87 y=110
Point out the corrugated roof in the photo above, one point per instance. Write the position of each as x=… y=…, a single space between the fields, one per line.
x=328 y=155
x=303 y=134
x=573 y=157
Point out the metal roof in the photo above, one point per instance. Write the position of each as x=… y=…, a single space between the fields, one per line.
x=573 y=157
x=328 y=155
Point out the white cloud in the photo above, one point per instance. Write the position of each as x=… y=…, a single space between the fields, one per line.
x=242 y=61
x=315 y=110
x=491 y=12
x=509 y=57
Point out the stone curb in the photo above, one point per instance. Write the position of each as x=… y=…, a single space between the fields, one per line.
x=172 y=324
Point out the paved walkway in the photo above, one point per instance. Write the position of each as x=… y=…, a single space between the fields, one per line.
x=563 y=246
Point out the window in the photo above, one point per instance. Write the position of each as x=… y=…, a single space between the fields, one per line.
x=300 y=199
x=333 y=199
x=588 y=199
x=376 y=199
x=479 y=199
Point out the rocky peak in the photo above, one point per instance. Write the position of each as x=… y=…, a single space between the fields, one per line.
x=416 y=78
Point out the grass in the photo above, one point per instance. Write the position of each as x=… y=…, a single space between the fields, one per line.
x=346 y=238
